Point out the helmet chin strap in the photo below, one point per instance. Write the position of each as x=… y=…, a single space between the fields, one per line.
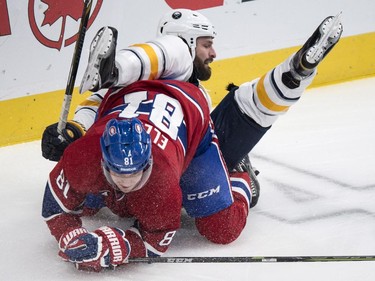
x=145 y=176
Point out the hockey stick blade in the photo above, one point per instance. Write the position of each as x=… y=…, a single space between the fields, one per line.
x=74 y=66
x=276 y=259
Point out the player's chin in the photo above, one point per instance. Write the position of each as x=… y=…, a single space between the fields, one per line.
x=206 y=75
x=126 y=189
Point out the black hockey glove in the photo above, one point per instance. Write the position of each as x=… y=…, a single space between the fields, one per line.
x=53 y=145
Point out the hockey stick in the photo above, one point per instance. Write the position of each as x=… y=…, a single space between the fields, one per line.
x=251 y=259
x=74 y=66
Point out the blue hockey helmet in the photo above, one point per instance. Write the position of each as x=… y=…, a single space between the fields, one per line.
x=126 y=146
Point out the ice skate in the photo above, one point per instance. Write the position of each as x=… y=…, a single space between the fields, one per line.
x=245 y=166
x=317 y=47
x=101 y=71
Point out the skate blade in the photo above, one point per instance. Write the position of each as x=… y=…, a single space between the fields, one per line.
x=332 y=33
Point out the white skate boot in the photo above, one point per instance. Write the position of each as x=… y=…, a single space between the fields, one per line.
x=101 y=71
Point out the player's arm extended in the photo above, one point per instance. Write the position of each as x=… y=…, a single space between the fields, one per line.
x=105 y=247
x=58 y=210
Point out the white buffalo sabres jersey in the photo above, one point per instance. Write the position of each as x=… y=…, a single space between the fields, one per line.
x=168 y=57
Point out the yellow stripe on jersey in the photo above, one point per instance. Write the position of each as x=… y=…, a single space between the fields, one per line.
x=153 y=59
x=265 y=100
x=90 y=103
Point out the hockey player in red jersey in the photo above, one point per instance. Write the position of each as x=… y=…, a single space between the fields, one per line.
x=151 y=152
x=245 y=114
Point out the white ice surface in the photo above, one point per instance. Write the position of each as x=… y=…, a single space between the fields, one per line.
x=317 y=198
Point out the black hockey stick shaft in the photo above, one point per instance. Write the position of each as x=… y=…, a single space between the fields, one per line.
x=74 y=66
x=251 y=259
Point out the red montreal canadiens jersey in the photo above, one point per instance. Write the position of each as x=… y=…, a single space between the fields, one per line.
x=176 y=116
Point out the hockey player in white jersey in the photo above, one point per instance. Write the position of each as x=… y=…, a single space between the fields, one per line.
x=244 y=115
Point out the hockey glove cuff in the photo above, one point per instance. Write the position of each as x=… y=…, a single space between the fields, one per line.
x=53 y=144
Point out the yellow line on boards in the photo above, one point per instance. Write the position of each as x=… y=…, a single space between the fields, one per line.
x=24 y=119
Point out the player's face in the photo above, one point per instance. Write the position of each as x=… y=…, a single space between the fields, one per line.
x=126 y=182
x=204 y=55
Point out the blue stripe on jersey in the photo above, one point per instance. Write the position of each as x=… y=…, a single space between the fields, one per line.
x=186 y=94
x=118 y=108
x=50 y=206
x=239 y=185
x=152 y=254
x=182 y=136
x=189 y=97
x=145 y=107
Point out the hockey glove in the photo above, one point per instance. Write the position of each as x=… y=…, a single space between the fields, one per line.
x=54 y=144
x=106 y=247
